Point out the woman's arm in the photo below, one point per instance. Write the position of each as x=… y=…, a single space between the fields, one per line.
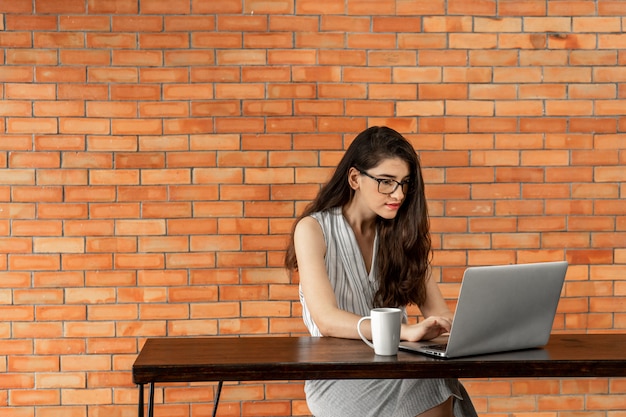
x=435 y=304
x=437 y=316
x=320 y=298
x=318 y=293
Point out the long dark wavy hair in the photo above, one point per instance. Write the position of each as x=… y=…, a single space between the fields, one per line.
x=404 y=248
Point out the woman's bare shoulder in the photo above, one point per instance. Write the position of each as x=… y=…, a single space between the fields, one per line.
x=308 y=227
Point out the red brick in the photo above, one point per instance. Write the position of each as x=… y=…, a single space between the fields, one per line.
x=467 y=75
x=371 y=41
x=265 y=74
x=154 y=75
x=45 y=194
x=290 y=23
x=472 y=7
x=86 y=23
x=111 y=40
x=448 y=124
x=490 y=91
x=593 y=57
x=314 y=7
x=581 y=41
x=66 y=143
x=443 y=57
x=162 y=7
x=82 y=91
x=20 y=39
x=369 y=108
x=546 y=190
x=49 y=74
x=368 y=7
x=495 y=58
x=18 y=314
x=281 y=57
x=86 y=261
x=308 y=74
x=532 y=58
x=17 y=7
x=83 y=57
x=184 y=58
x=342 y=57
x=31 y=57
x=266 y=108
x=163 y=244
x=268 y=40
x=386 y=91
x=236 y=57
x=219 y=8
x=613 y=41
x=43 y=330
x=447 y=24
x=143 y=58
x=107 y=245
x=217 y=108
x=473 y=41
x=571 y=8
x=37 y=227
x=125 y=75
x=58 y=40
x=29 y=397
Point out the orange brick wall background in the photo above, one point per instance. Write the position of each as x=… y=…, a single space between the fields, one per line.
x=155 y=153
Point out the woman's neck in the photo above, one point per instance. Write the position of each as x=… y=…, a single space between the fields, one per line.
x=361 y=221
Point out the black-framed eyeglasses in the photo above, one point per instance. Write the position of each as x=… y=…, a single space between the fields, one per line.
x=389 y=186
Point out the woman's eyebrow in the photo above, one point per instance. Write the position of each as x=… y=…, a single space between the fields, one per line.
x=406 y=177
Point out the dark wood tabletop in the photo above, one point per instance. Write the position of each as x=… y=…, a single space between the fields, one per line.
x=300 y=358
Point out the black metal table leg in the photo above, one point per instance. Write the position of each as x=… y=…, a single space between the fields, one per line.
x=140 y=409
x=217 y=397
x=151 y=401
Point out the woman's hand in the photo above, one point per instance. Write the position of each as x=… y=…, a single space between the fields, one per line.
x=427 y=329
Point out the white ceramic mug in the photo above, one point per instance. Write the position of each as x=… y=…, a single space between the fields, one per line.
x=385 y=330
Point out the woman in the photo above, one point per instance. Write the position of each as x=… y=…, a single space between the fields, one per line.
x=364 y=242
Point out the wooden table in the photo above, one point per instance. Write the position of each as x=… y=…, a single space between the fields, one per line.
x=304 y=358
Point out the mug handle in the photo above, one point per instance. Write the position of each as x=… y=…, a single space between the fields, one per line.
x=358 y=328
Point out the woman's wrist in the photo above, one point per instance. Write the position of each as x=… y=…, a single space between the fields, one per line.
x=403 y=329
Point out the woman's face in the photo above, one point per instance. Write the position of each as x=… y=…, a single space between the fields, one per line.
x=383 y=187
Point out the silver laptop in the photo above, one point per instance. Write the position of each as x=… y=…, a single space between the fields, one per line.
x=501 y=308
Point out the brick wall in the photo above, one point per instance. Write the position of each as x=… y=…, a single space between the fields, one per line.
x=155 y=152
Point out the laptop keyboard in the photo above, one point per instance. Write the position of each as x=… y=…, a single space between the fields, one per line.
x=441 y=346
